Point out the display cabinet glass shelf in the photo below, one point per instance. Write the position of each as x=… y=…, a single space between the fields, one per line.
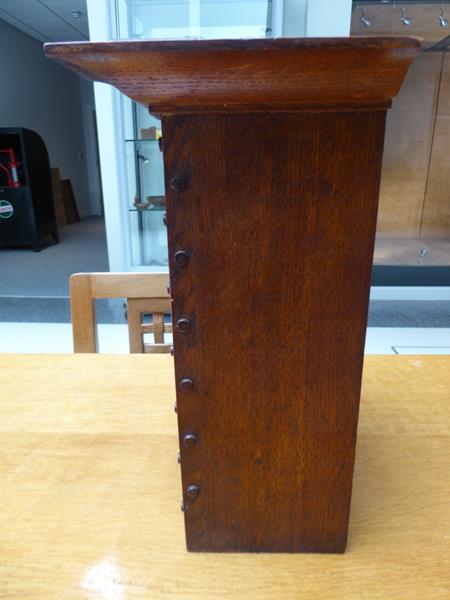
x=146 y=202
x=137 y=19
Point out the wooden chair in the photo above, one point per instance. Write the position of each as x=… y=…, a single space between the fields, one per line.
x=146 y=293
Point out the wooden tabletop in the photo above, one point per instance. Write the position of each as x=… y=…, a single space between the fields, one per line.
x=90 y=490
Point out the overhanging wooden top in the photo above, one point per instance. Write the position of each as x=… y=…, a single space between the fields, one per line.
x=247 y=75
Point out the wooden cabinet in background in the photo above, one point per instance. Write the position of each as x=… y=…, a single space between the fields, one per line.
x=58 y=200
x=415 y=181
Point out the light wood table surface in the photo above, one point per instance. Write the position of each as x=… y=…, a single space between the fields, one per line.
x=90 y=490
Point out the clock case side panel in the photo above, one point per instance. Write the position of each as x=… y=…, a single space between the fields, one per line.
x=277 y=215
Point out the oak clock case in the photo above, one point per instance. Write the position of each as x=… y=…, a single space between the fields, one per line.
x=268 y=357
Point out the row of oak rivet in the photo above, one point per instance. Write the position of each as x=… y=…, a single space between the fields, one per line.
x=183 y=325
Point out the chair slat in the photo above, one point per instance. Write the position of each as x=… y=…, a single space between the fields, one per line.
x=146 y=293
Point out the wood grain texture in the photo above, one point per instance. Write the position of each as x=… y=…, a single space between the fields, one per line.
x=436 y=214
x=238 y=75
x=407 y=148
x=415 y=182
x=275 y=346
x=90 y=495
x=436 y=211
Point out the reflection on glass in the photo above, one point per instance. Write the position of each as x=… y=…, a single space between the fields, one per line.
x=414 y=212
x=210 y=19
x=169 y=19
x=146 y=202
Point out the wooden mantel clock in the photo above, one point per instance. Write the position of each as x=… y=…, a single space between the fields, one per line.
x=272 y=157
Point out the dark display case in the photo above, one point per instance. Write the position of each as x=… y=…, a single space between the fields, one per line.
x=27 y=214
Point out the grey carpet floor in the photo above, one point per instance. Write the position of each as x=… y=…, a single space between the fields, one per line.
x=34 y=286
x=411 y=313
x=56 y=310
x=46 y=273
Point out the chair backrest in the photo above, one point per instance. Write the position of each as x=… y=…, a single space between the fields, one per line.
x=146 y=293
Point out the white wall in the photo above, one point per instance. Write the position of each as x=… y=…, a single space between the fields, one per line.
x=316 y=18
x=294 y=18
x=112 y=159
x=328 y=18
x=38 y=94
x=91 y=145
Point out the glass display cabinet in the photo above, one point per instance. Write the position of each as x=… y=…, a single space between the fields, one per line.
x=166 y=19
x=413 y=233
x=145 y=187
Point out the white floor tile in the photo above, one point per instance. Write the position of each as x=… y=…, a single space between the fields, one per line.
x=387 y=340
x=57 y=338
x=422 y=349
x=378 y=341
x=113 y=339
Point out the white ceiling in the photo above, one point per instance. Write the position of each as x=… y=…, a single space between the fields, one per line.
x=47 y=20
